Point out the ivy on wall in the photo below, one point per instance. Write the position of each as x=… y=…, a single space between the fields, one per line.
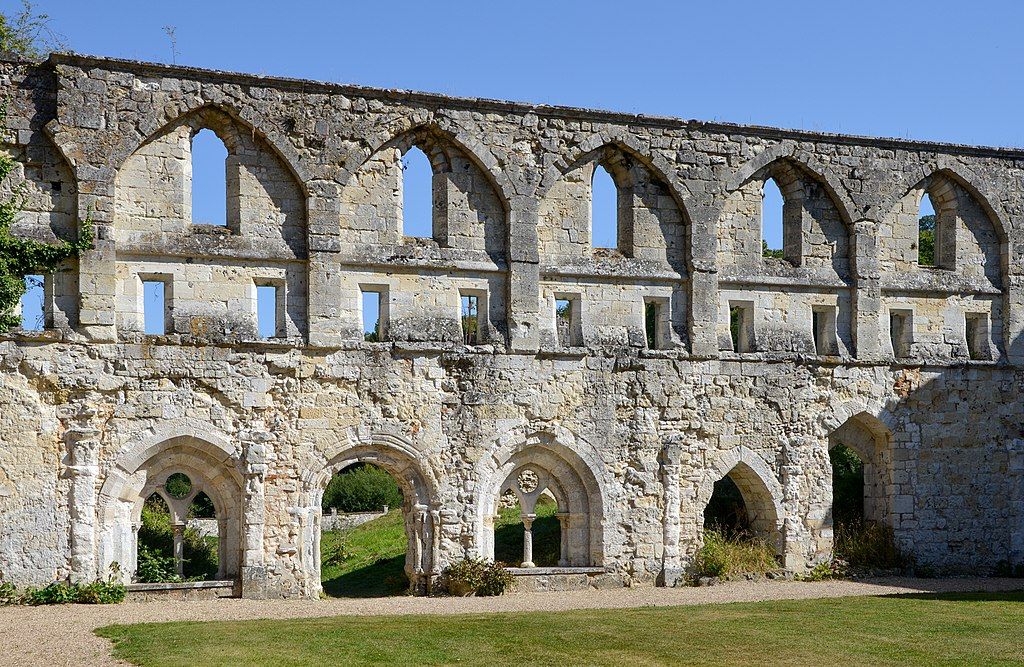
x=21 y=257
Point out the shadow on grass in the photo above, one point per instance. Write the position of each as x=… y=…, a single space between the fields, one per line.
x=379 y=579
x=1002 y=596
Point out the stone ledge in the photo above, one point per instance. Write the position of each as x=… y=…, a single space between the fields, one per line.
x=186 y=590
x=542 y=571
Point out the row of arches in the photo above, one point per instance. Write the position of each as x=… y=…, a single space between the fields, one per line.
x=426 y=182
x=540 y=502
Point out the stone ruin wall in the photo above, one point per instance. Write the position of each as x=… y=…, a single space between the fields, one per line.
x=94 y=414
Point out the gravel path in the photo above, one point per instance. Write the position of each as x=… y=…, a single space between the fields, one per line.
x=62 y=635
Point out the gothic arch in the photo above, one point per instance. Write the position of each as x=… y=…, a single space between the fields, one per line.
x=205 y=455
x=394 y=133
x=400 y=458
x=576 y=475
x=759 y=485
x=788 y=151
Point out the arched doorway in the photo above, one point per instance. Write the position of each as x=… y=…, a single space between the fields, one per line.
x=864 y=440
x=741 y=505
x=530 y=528
x=416 y=516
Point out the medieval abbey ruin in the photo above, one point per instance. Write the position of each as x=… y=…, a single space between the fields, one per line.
x=624 y=382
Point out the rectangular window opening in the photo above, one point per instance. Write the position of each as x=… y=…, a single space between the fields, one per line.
x=977 y=335
x=33 y=311
x=567 y=322
x=651 y=321
x=824 y=330
x=267 y=322
x=741 y=326
x=154 y=307
x=471 y=319
x=372 y=317
x=901 y=331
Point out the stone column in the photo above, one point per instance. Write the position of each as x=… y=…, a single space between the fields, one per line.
x=523 y=275
x=179 y=548
x=671 y=569
x=528 y=540
x=867 y=295
x=419 y=526
x=1015 y=480
x=83 y=450
x=254 y=571
x=563 y=524
x=790 y=525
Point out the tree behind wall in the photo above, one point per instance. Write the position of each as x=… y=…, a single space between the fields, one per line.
x=362 y=488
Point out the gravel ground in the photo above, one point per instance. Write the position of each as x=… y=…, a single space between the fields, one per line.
x=62 y=635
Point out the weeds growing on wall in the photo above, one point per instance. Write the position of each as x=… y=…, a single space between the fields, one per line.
x=21 y=257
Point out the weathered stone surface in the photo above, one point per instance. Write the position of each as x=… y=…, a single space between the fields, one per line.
x=94 y=415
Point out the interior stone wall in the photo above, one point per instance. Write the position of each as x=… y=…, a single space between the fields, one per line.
x=93 y=411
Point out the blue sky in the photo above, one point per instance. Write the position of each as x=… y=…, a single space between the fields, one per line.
x=934 y=70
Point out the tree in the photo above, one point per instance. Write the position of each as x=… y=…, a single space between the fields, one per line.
x=770 y=252
x=926 y=240
x=21 y=257
x=28 y=34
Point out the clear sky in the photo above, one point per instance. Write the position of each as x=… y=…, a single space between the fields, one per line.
x=936 y=70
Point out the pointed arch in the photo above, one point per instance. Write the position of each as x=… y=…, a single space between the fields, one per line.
x=397 y=132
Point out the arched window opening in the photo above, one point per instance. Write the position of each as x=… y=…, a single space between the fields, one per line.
x=604 y=210
x=512 y=524
x=772 y=204
x=417 y=194
x=209 y=179
x=173 y=545
x=926 y=232
x=364 y=538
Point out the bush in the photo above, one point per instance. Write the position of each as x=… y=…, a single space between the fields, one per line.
x=477 y=576
x=868 y=545
x=59 y=592
x=362 y=488
x=8 y=594
x=156 y=549
x=723 y=556
x=831 y=569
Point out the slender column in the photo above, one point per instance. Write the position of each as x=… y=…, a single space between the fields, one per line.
x=420 y=522
x=528 y=540
x=563 y=524
x=179 y=548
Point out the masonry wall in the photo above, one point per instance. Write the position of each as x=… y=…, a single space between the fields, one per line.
x=94 y=414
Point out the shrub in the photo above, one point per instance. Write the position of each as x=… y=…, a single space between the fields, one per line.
x=478 y=576
x=831 y=569
x=868 y=545
x=723 y=556
x=59 y=592
x=362 y=488
x=8 y=594
x=156 y=549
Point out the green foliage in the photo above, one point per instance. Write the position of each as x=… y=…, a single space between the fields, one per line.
x=725 y=555
x=362 y=488
x=110 y=591
x=770 y=252
x=847 y=485
x=547 y=534
x=21 y=257
x=28 y=34
x=365 y=561
x=868 y=545
x=478 y=576
x=926 y=241
x=835 y=568
x=156 y=549
x=651 y=324
x=201 y=507
x=8 y=594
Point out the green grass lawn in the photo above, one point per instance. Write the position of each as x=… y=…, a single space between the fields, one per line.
x=933 y=630
x=365 y=561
